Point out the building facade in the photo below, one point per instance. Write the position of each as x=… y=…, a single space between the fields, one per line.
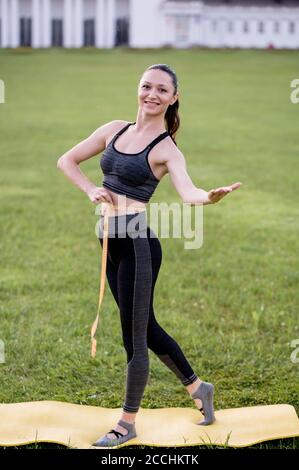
x=149 y=23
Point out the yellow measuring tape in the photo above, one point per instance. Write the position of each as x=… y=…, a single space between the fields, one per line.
x=107 y=209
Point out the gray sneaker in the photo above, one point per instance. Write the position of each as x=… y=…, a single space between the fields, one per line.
x=120 y=438
x=205 y=392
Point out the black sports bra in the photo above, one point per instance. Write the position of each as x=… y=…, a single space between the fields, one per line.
x=129 y=174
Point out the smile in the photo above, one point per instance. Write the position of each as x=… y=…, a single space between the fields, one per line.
x=151 y=102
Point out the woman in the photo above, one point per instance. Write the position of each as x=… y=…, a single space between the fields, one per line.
x=137 y=156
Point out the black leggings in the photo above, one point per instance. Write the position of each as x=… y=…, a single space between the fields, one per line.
x=133 y=263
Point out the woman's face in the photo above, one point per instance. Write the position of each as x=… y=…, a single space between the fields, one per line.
x=155 y=92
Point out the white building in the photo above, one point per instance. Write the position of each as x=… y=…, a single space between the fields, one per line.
x=149 y=23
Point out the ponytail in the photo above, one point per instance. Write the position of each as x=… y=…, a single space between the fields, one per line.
x=173 y=119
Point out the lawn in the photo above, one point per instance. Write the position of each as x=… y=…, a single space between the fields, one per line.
x=232 y=305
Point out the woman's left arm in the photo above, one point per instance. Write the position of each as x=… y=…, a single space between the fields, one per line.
x=190 y=194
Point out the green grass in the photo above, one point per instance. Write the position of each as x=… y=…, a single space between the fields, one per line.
x=231 y=305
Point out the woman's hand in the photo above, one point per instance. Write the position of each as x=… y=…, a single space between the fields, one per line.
x=216 y=194
x=97 y=195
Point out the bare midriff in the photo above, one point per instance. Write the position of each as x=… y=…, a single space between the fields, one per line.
x=122 y=204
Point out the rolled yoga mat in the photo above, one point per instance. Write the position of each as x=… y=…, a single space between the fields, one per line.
x=78 y=426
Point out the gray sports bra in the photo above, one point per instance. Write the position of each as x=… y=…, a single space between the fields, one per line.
x=129 y=174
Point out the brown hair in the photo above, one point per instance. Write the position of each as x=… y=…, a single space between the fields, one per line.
x=172 y=115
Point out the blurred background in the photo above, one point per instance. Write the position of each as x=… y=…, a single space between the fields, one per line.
x=152 y=23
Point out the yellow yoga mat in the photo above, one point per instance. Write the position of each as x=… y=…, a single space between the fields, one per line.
x=78 y=426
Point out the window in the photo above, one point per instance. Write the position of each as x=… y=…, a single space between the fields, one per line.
x=276 y=27
x=260 y=27
x=57 y=33
x=245 y=27
x=25 y=32
x=88 y=32
x=122 y=32
x=182 y=29
x=291 y=27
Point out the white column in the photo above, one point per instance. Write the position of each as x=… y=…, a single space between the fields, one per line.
x=242 y=34
x=110 y=24
x=46 y=23
x=267 y=37
x=202 y=30
x=250 y=33
x=78 y=23
x=284 y=33
x=192 y=31
x=209 y=32
x=237 y=32
x=197 y=28
x=4 y=23
x=15 y=27
x=166 y=29
x=100 y=23
x=36 y=23
x=67 y=23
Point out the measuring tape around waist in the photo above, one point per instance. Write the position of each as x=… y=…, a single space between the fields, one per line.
x=107 y=209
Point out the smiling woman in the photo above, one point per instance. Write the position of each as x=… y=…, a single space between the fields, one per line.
x=136 y=157
x=162 y=94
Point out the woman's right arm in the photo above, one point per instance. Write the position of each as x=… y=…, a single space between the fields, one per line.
x=69 y=162
x=190 y=194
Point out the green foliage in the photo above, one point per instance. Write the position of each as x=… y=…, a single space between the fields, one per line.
x=232 y=305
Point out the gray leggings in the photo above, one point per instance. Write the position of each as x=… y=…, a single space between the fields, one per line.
x=133 y=263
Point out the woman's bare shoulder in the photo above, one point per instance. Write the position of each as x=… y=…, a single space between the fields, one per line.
x=119 y=122
x=167 y=150
x=109 y=129
x=116 y=125
x=112 y=127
